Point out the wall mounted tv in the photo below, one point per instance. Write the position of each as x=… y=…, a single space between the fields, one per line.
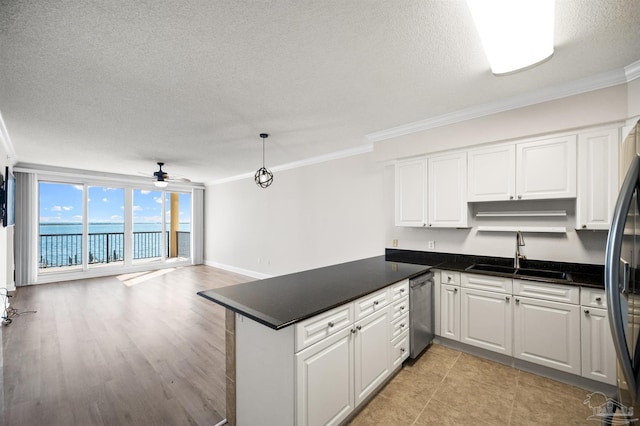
x=8 y=199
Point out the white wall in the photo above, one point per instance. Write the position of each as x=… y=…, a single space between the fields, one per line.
x=313 y=216
x=343 y=210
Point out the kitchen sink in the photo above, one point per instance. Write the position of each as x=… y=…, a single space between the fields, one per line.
x=541 y=273
x=481 y=267
x=520 y=272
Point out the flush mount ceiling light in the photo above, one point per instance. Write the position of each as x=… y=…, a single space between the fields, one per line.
x=264 y=176
x=515 y=34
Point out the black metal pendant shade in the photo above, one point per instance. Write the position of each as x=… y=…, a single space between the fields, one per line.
x=264 y=176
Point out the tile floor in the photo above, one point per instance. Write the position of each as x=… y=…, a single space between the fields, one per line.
x=447 y=387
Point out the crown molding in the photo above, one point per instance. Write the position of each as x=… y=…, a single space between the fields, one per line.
x=336 y=155
x=6 y=142
x=598 y=81
x=632 y=71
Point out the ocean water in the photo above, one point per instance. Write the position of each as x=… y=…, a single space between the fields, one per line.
x=100 y=228
x=61 y=243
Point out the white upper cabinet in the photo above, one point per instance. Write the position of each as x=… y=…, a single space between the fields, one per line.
x=546 y=169
x=540 y=169
x=492 y=173
x=411 y=192
x=597 y=178
x=447 y=194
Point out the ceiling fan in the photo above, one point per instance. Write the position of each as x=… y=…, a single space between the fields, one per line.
x=161 y=178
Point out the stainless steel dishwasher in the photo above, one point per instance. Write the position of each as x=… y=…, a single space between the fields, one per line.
x=421 y=313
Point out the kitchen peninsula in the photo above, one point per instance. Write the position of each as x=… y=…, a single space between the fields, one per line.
x=272 y=324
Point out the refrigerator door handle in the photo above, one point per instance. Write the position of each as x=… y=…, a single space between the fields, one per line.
x=613 y=285
x=626 y=273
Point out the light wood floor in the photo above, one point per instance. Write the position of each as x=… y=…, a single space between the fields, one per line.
x=141 y=349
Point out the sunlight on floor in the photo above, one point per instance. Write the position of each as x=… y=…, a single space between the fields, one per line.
x=140 y=277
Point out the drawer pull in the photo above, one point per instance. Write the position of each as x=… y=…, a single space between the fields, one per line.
x=449 y=278
x=353 y=331
x=402 y=325
x=403 y=350
x=331 y=324
x=375 y=302
x=598 y=299
x=507 y=298
x=455 y=290
x=402 y=290
x=586 y=312
x=402 y=307
x=517 y=300
x=359 y=327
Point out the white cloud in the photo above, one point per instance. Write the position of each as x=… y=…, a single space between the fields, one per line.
x=145 y=192
x=137 y=208
x=78 y=187
x=67 y=208
x=158 y=200
x=56 y=209
x=105 y=200
x=76 y=217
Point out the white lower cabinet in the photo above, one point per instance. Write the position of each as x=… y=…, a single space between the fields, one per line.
x=598 y=353
x=336 y=374
x=487 y=320
x=325 y=381
x=547 y=333
x=371 y=364
x=450 y=311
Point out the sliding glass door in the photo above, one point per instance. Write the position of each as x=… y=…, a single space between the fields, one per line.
x=60 y=225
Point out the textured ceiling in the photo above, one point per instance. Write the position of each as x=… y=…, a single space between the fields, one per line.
x=114 y=85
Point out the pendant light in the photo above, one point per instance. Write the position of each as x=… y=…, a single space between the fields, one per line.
x=264 y=176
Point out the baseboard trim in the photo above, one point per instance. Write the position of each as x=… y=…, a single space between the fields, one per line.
x=237 y=270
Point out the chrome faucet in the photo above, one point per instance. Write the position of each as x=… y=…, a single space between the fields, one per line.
x=518 y=256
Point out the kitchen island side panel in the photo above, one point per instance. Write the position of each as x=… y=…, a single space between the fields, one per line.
x=265 y=377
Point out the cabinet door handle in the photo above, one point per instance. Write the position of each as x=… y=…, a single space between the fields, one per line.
x=449 y=279
x=586 y=312
x=403 y=350
x=375 y=302
x=519 y=197
x=598 y=299
x=584 y=226
x=402 y=307
x=353 y=330
x=331 y=324
x=402 y=290
x=402 y=325
x=507 y=298
x=455 y=290
x=517 y=300
x=359 y=327
x=511 y=197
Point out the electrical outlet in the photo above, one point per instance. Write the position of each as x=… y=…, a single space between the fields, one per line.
x=431 y=245
x=395 y=243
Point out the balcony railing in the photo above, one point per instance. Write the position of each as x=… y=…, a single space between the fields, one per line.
x=66 y=249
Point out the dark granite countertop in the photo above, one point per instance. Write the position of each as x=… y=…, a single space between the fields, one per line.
x=584 y=275
x=281 y=301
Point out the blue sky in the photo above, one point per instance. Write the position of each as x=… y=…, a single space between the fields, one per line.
x=62 y=203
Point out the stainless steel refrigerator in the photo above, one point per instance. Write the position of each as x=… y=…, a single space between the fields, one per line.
x=622 y=284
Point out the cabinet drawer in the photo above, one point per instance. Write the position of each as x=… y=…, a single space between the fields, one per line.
x=399 y=350
x=371 y=303
x=487 y=283
x=399 y=326
x=593 y=297
x=448 y=277
x=399 y=308
x=399 y=290
x=555 y=292
x=316 y=328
